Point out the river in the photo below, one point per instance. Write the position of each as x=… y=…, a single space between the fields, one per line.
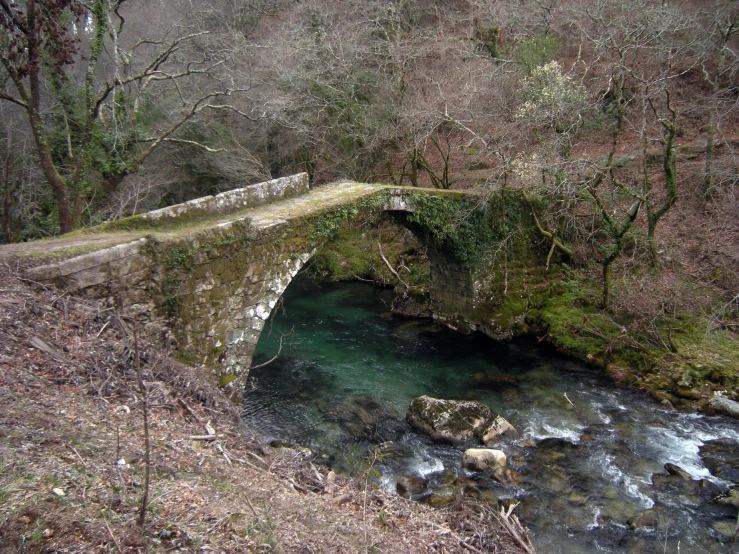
x=582 y=470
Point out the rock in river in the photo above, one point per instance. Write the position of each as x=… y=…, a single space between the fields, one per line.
x=409 y=485
x=365 y=418
x=480 y=459
x=457 y=420
x=497 y=381
x=724 y=406
x=721 y=458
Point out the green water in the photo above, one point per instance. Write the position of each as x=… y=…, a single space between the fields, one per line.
x=347 y=372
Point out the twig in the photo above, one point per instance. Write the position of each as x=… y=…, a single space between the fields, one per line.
x=102 y=328
x=189 y=410
x=257 y=458
x=73 y=449
x=273 y=357
x=225 y=455
x=514 y=528
x=251 y=465
x=456 y=536
x=570 y=401
x=112 y=536
x=253 y=511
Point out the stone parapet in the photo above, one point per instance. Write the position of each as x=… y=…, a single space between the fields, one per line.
x=235 y=200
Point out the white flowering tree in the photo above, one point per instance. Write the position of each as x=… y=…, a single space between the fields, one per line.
x=553 y=100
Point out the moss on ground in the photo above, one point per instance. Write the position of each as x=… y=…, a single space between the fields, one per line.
x=681 y=357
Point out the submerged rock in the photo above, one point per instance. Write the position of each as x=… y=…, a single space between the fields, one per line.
x=409 y=485
x=439 y=501
x=365 y=418
x=721 y=458
x=507 y=477
x=480 y=459
x=456 y=421
x=647 y=519
x=412 y=306
x=728 y=498
x=678 y=481
x=496 y=381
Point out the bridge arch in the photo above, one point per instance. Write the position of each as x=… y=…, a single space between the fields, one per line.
x=451 y=291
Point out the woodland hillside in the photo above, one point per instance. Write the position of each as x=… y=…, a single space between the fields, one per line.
x=616 y=121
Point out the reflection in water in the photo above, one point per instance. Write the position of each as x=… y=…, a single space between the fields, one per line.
x=582 y=470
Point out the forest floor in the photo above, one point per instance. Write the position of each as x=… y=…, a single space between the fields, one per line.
x=73 y=456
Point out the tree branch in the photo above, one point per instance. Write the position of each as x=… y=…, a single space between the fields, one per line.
x=13 y=100
x=195 y=143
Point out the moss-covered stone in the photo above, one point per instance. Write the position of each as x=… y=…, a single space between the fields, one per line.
x=456 y=421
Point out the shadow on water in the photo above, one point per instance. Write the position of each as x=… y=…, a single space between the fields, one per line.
x=588 y=471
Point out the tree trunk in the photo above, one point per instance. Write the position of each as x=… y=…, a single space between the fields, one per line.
x=414 y=167
x=653 y=216
x=710 y=138
x=56 y=182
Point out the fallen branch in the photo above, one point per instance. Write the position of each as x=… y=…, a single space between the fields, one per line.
x=112 y=536
x=205 y=437
x=514 y=528
x=189 y=410
x=251 y=465
x=384 y=259
x=73 y=449
x=38 y=344
x=273 y=358
x=455 y=535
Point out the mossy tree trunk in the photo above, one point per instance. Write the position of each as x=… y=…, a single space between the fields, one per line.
x=669 y=168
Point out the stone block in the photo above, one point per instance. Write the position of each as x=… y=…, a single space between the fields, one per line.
x=96 y=275
x=43 y=273
x=87 y=261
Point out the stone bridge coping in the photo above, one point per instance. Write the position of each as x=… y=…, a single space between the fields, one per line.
x=264 y=205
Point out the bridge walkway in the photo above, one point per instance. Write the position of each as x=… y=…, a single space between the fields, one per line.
x=261 y=217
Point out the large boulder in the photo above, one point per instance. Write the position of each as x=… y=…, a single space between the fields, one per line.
x=725 y=406
x=457 y=421
x=480 y=459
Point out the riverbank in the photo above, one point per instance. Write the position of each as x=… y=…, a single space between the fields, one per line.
x=73 y=453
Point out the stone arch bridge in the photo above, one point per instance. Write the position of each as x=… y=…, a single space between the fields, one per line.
x=204 y=276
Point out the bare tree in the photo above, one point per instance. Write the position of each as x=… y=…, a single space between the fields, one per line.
x=719 y=59
x=96 y=119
